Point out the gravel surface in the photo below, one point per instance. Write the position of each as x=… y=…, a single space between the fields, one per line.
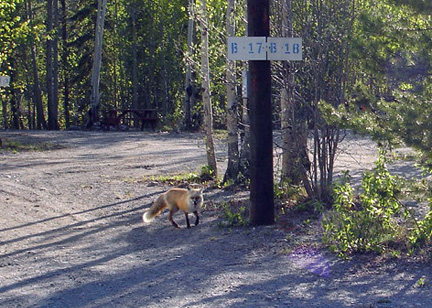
x=71 y=235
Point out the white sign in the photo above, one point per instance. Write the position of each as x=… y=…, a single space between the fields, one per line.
x=284 y=48
x=264 y=48
x=4 y=81
x=247 y=48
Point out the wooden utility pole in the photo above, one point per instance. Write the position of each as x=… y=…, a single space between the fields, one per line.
x=261 y=169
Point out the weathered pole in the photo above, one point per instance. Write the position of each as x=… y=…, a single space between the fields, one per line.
x=261 y=169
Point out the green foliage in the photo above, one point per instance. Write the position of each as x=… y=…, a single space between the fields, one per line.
x=234 y=214
x=175 y=179
x=16 y=146
x=369 y=223
x=287 y=193
x=207 y=173
x=13 y=30
x=421 y=6
x=403 y=118
x=376 y=220
x=422 y=234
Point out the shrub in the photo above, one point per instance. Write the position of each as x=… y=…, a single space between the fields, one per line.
x=371 y=221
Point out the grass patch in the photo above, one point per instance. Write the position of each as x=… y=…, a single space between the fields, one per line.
x=204 y=177
x=16 y=146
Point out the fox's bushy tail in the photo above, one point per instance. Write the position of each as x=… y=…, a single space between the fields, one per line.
x=158 y=206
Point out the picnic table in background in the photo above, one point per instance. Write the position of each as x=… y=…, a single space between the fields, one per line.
x=143 y=116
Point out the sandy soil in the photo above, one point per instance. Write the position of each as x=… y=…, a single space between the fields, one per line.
x=71 y=235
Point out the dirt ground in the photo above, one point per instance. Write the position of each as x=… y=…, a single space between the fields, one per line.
x=71 y=235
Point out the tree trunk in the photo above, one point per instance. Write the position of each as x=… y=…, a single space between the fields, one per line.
x=5 y=114
x=52 y=64
x=14 y=97
x=55 y=84
x=189 y=86
x=232 y=122
x=245 y=153
x=295 y=160
x=97 y=62
x=65 y=64
x=208 y=112
x=134 y=62
x=287 y=104
x=135 y=82
x=261 y=169
x=37 y=92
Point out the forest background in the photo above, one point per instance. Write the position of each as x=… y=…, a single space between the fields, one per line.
x=366 y=66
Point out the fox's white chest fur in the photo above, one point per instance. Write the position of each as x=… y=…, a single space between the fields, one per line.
x=195 y=203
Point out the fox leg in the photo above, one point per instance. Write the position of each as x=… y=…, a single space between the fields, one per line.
x=197 y=218
x=187 y=220
x=170 y=217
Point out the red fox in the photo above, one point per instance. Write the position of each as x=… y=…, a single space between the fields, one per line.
x=188 y=200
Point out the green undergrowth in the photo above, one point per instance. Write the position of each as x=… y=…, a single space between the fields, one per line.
x=16 y=146
x=291 y=203
x=377 y=218
x=205 y=177
x=234 y=213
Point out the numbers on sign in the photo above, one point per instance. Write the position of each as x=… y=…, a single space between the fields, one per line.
x=295 y=48
x=259 y=47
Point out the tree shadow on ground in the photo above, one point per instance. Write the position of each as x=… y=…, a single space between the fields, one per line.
x=113 y=260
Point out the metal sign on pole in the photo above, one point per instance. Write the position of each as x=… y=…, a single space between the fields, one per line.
x=265 y=48
x=4 y=81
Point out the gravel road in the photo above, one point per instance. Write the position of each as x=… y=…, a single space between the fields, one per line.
x=71 y=235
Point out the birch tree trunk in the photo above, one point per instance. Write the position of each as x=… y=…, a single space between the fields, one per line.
x=189 y=87
x=287 y=108
x=208 y=112
x=97 y=62
x=52 y=63
x=294 y=135
x=65 y=64
x=135 y=83
x=232 y=121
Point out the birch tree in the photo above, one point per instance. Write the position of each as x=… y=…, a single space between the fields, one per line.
x=52 y=63
x=189 y=87
x=97 y=62
x=294 y=133
x=232 y=123
x=205 y=84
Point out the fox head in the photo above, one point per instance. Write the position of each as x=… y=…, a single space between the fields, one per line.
x=196 y=196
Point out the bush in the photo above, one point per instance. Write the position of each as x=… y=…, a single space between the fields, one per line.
x=373 y=221
x=234 y=214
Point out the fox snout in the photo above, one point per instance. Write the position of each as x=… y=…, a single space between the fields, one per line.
x=196 y=201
